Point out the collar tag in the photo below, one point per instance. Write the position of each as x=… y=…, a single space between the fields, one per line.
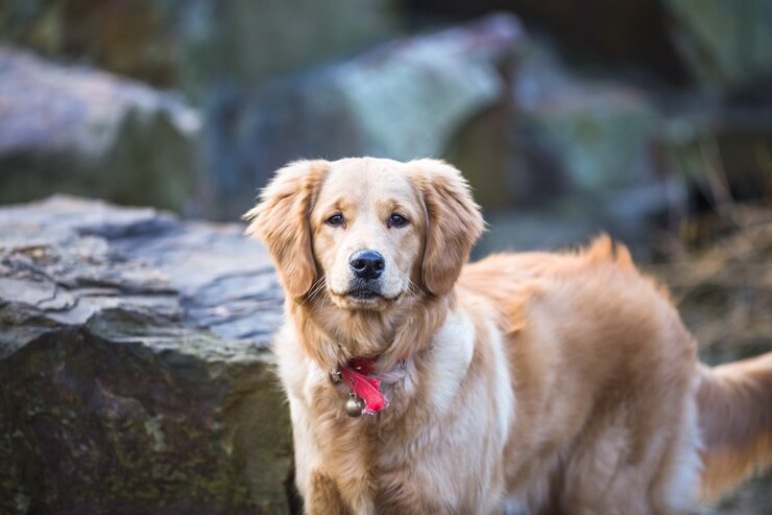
x=365 y=386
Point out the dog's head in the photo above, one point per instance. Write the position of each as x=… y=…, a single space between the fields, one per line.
x=366 y=232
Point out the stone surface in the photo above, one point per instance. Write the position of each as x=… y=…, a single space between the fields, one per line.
x=128 y=38
x=74 y=130
x=197 y=46
x=723 y=154
x=194 y=44
x=401 y=100
x=136 y=375
x=239 y=44
x=728 y=45
x=582 y=157
x=629 y=33
x=598 y=132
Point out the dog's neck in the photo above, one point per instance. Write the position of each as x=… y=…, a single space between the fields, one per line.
x=333 y=336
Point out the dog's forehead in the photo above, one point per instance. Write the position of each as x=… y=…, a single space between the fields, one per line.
x=368 y=181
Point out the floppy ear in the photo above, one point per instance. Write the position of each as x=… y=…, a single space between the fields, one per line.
x=453 y=224
x=280 y=219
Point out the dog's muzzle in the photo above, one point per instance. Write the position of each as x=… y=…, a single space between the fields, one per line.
x=367 y=267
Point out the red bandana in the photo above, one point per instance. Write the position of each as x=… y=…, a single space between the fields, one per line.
x=357 y=376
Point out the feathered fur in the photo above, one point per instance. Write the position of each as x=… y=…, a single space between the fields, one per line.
x=526 y=383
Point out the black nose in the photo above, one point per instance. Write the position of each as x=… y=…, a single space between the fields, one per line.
x=367 y=264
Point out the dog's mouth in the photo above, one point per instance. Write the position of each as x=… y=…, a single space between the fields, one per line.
x=364 y=290
x=365 y=295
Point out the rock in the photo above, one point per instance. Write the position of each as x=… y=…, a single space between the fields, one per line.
x=89 y=133
x=613 y=33
x=136 y=371
x=241 y=44
x=128 y=38
x=404 y=99
x=728 y=45
x=723 y=154
x=74 y=130
x=598 y=132
x=196 y=45
x=584 y=158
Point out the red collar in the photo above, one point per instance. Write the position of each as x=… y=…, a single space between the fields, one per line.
x=358 y=375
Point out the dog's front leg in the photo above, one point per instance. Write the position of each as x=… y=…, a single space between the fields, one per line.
x=324 y=497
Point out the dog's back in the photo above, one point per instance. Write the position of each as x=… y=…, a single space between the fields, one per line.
x=600 y=354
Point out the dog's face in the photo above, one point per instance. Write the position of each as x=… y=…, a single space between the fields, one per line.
x=365 y=232
x=367 y=228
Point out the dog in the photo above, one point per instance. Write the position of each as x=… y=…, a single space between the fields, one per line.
x=523 y=383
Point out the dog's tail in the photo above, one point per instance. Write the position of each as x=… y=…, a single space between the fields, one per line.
x=735 y=413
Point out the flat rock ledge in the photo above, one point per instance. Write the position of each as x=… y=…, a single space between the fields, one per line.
x=135 y=375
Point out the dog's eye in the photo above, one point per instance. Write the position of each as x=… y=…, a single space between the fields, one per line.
x=396 y=220
x=335 y=220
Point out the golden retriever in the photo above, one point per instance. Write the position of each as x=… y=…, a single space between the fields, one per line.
x=523 y=383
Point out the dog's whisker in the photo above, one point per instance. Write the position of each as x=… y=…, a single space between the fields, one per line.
x=412 y=290
x=316 y=288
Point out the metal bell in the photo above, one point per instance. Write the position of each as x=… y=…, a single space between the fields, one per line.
x=354 y=406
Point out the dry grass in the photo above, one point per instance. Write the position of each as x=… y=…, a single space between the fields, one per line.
x=719 y=269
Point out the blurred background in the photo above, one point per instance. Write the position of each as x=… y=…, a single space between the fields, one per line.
x=649 y=119
x=580 y=115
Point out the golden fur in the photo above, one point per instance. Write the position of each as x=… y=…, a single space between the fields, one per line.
x=523 y=383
